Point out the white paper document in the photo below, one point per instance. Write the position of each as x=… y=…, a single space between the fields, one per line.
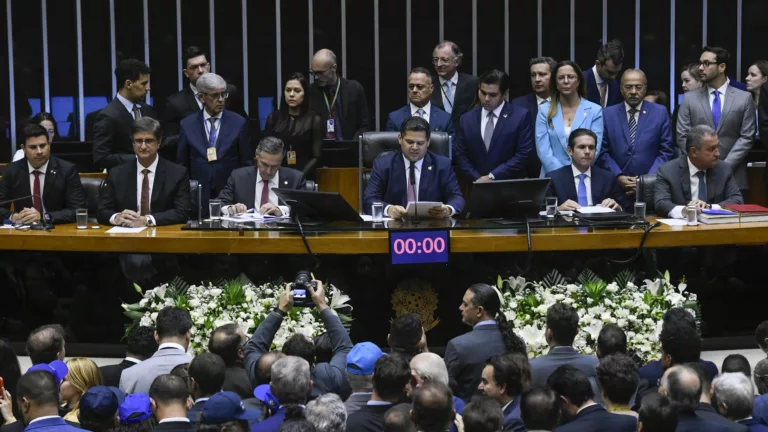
x=125 y=230
x=673 y=222
x=423 y=208
x=369 y=218
x=594 y=209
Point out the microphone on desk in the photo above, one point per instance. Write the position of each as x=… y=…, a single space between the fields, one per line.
x=43 y=224
x=412 y=179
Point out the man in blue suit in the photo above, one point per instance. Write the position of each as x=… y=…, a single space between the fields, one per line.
x=602 y=87
x=420 y=90
x=502 y=380
x=38 y=401
x=495 y=140
x=413 y=174
x=638 y=137
x=580 y=184
x=214 y=141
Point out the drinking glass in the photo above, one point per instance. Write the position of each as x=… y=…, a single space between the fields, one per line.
x=692 y=215
x=377 y=212
x=640 y=210
x=551 y=206
x=214 y=207
x=82 y=218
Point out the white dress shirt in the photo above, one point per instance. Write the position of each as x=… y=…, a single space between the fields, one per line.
x=128 y=105
x=42 y=418
x=207 y=126
x=132 y=360
x=19 y=155
x=722 y=90
x=587 y=182
x=426 y=109
x=274 y=183
x=171 y=345
x=677 y=211
x=43 y=169
x=455 y=80
x=639 y=108
x=540 y=100
x=585 y=407
x=139 y=183
x=417 y=182
x=599 y=80
x=174 y=420
x=194 y=90
x=484 y=118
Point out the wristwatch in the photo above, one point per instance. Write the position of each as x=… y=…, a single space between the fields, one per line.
x=491 y=176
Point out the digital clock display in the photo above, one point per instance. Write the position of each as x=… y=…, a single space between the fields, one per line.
x=418 y=247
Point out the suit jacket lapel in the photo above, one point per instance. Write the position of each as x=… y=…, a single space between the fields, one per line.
x=223 y=129
x=624 y=122
x=498 y=128
x=533 y=105
x=712 y=181
x=703 y=97
x=597 y=188
x=400 y=177
x=580 y=116
x=130 y=186
x=50 y=177
x=189 y=95
x=200 y=129
x=557 y=121
x=570 y=186
x=685 y=175
x=727 y=104
x=158 y=183
x=23 y=181
x=427 y=174
x=250 y=188
x=437 y=93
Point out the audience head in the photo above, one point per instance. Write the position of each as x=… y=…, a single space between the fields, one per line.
x=264 y=366
x=582 y=148
x=567 y=81
x=542 y=69
x=323 y=348
x=679 y=314
x=734 y=394
x=300 y=345
x=269 y=156
x=427 y=367
x=446 y=57
x=361 y=361
x=432 y=407
x=296 y=421
x=206 y=374
x=617 y=376
x=98 y=408
x=46 y=344
x=712 y=64
x=704 y=378
x=327 y=413
x=324 y=68
x=761 y=335
x=135 y=414
x=47 y=121
x=757 y=75
x=173 y=325
x=132 y=78
x=168 y=394
x=291 y=382
x=682 y=385
x=36 y=147
x=573 y=389
x=391 y=375
x=296 y=93
x=689 y=75
x=10 y=370
x=634 y=85
x=702 y=146
x=83 y=374
x=225 y=410
x=141 y=343
x=539 y=408
x=414 y=138
x=420 y=86
x=37 y=395
x=611 y=339
x=483 y=414
x=760 y=375
x=146 y=134
x=501 y=379
x=482 y=302
x=522 y=362
x=195 y=63
x=492 y=89
x=736 y=363
x=228 y=342
x=562 y=320
x=182 y=371
x=212 y=92
x=657 y=414
x=657 y=97
x=610 y=58
x=406 y=333
x=398 y=419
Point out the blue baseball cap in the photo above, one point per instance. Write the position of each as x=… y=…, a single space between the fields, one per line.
x=225 y=407
x=58 y=368
x=99 y=402
x=264 y=394
x=362 y=358
x=135 y=409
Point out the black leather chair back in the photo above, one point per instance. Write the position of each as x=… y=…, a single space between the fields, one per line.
x=646 y=186
x=92 y=187
x=195 y=191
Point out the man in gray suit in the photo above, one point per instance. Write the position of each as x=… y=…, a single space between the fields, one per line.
x=726 y=109
x=173 y=335
x=698 y=178
x=562 y=327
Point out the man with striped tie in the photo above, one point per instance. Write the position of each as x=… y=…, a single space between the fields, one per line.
x=420 y=89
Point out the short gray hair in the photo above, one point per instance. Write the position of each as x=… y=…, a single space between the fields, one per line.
x=629 y=71
x=359 y=382
x=147 y=124
x=430 y=367
x=734 y=389
x=290 y=380
x=270 y=145
x=696 y=135
x=210 y=82
x=327 y=413
x=760 y=374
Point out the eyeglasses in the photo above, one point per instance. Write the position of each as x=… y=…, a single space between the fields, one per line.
x=707 y=63
x=216 y=96
x=319 y=73
x=148 y=141
x=443 y=60
x=562 y=78
x=638 y=87
x=199 y=66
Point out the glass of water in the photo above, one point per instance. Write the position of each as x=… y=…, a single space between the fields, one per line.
x=551 y=206
x=640 y=210
x=214 y=207
x=377 y=212
x=692 y=213
x=82 y=218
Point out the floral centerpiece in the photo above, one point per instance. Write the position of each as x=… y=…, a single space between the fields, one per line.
x=637 y=309
x=237 y=301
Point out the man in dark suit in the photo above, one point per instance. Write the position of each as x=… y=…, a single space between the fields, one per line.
x=168 y=396
x=542 y=69
x=495 y=140
x=682 y=385
x=539 y=409
x=391 y=375
x=55 y=182
x=413 y=174
x=215 y=141
x=432 y=407
x=457 y=91
x=602 y=87
x=141 y=346
x=340 y=102
x=579 y=410
x=38 y=398
x=228 y=341
x=580 y=184
x=112 y=144
x=638 y=137
x=502 y=380
x=420 y=90
x=290 y=385
x=739 y=401
x=698 y=178
x=206 y=375
x=185 y=102
x=251 y=187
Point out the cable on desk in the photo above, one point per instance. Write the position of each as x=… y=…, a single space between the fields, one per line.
x=639 y=248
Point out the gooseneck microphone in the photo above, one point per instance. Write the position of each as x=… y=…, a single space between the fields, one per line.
x=43 y=224
x=412 y=176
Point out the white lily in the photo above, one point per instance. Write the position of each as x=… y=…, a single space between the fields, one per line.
x=339 y=300
x=653 y=285
x=160 y=291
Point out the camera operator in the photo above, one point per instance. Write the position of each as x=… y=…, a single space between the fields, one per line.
x=326 y=377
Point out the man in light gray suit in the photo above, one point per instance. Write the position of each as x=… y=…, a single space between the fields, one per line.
x=172 y=334
x=562 y=328
x=697 y=178
x=726 y=109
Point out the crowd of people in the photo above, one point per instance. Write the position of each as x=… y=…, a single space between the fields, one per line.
x=485 y=382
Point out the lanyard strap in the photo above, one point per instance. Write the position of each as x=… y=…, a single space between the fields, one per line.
x=338 y=84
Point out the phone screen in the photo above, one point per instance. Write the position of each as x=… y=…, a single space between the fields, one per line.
x=300 y=293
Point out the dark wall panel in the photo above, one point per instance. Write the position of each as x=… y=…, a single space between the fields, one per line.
x=229 y=44
x=62 y=55
x=163 y=50
x=327 y=27
x=654 y=44
x=523 y=29
x=621 y=26
x=97 y=62
x=425 y=32
x=687 y=40
x=360 y=49
x=754 y=33
x=490 y=35
x=294 y=21
x=261 y=52
x=458 y=28
x=393 y=59
x=589 y=31
x=556 y=29
x=5 y=99
x=195 y=27
x=129 y=27
x=721 y=31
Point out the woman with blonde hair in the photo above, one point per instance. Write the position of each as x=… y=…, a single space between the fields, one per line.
x=83 y=374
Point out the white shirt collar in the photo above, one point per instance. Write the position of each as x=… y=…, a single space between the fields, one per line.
x=273 y=182
x=43 y=169
x=132 y=360
x=628 y=107
x=127 y=104
x=427 y=108
x=598 y=78
x=417 y=164
x=505 y=406
x=194 y=89
x=206 y=116
x=175 y=419
x=722 y=89
x=745 y=418
x=43 y=418
x=585 y=407
x=482 y=323
x=201 y=400
x=576 y=171
x=496 y=112
x=540 y=100
x=454 y=79
x=691 y=167
x=152 y=169
x=171 y=345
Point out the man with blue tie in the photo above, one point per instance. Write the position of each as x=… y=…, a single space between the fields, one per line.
x=214 y=142
x=457 y=90
x=413 y=174
x=420 y=89
x=638 y=137
x=602 y=87
x=495 y=140
x=580 y=184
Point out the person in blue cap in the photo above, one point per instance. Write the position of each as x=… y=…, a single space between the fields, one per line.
x=38 y=398
x=269 y=402
x=98 y=408
x=224 y=411
x=359 y=373
x=135 y=414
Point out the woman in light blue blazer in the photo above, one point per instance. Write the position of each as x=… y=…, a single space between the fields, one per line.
x=568 y=110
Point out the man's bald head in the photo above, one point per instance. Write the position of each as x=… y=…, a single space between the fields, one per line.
x=324 y=68
x=325 y=55
x=264 y=366
x=683 y=386
x=46 y=344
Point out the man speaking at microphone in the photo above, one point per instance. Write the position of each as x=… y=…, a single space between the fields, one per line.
x=40 y=183
x=413 y=174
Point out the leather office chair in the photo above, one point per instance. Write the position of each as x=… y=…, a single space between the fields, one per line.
x=646 y=186
x=311 y=186
x=92 y=187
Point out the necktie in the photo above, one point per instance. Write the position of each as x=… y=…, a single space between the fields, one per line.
x=412 y=183
x=421 y=113
x=36 y=199
x=213 y=133
x=448 y=85
x=582 y=192
x=145 y=193
x=136 y=112
x=264 y=193
x=488 y=135
x=603 y=92
x=632 y=127
x=716 y=109
x=702 y=186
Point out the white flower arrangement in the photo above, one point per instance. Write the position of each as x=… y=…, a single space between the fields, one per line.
x=638 y=310
x=237 y=301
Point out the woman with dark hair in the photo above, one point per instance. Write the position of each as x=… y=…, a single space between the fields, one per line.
x=45 y=120
x=569 y=110
x=10 y=371
x=757 y=75
x=296 y=421
x=300 y=128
